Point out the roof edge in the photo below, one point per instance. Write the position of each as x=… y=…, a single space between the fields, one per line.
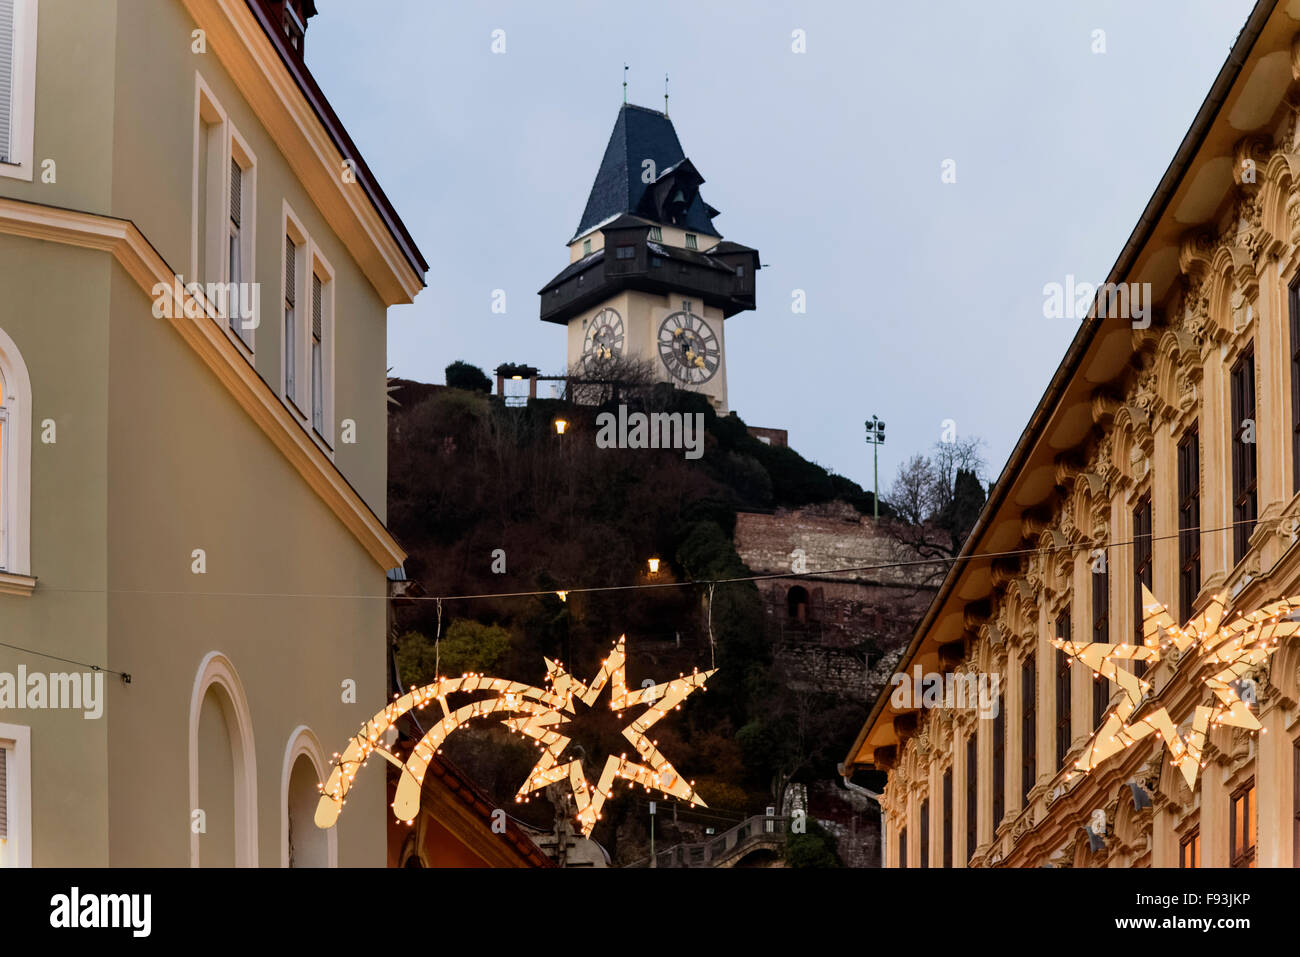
x=1151 y=215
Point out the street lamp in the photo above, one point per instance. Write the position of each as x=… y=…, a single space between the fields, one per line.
x=654 y=566
x=876 y=438
x=560 y=426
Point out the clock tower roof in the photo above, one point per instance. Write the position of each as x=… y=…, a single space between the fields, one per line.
x=672 y=197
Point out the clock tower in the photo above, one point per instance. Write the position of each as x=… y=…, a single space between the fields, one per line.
x=649 y=276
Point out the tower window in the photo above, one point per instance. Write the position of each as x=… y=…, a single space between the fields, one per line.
x=656 y=234
x=586 y=247
x=691 y=241
x=625 y=252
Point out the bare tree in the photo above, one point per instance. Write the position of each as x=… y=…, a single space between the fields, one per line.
x=617 y=378
x=936 y=500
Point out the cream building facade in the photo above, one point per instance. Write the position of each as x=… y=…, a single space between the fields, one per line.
x=1164 y=453
x=186 y=491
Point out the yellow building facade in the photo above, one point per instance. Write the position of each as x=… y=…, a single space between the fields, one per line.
x=1166 y=453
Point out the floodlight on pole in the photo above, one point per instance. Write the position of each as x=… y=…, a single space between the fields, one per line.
x=875 y=438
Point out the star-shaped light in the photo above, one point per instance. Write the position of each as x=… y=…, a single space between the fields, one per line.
x=1239 y=645
x=534 y=712
x=657 y=773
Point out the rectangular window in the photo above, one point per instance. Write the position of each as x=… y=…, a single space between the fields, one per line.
x=999 y=762
x=902 y=848
x=1141 y=569
x=234 y=262
x=625 y=252
x=691 y=241
x=1242 y=844
x=656 y=234
x=1189 y=849
x=1295 y=804
x=925 y=833
x=586 y=247
x=4 y=473
x=1189 y=523
x=4 y=782
x=317 y=354
x=1100 y=633
x=291 y=256
x=1245 y=503
x=947 y=818
x=1293 y=300
x=1063 y=690
x=972 y=794
x=225 y=192
x=17 y=87
x=15 y=796
x=6 y=78
x=1028 y=727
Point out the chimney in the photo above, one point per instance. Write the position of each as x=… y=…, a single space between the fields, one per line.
x=290 y=18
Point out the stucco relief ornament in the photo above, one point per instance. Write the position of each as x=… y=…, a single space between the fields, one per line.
x=536 y=713
x=1065 y=519
x=1186 y=391
x=1137 y=461
x=1239 y=646
x=1293 y=217
x=1241 y=310
x=1144 y=395
x=1101 y=463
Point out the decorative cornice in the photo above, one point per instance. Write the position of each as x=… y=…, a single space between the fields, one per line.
x=142 y=263
x=21 y=585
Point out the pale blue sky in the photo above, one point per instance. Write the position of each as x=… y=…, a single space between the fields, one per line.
x=924 y=299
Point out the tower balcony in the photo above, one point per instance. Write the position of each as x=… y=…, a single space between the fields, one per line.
x=722 y=277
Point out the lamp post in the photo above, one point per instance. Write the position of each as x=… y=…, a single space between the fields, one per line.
x=560 y=426
x=875 y=438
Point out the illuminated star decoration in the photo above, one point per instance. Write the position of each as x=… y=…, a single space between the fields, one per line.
x=1239 y=646
x=534 y=712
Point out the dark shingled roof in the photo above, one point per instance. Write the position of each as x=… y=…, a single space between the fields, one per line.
x=642 y=134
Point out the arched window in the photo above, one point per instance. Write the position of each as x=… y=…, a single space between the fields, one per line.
x=223 y=767
x=796 y=603
x=15 y=460
x=304 y=844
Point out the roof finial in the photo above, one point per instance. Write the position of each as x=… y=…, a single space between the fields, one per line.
x=624 y=84
x=665 y=94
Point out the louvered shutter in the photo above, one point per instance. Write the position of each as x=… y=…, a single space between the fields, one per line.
x=316 y=308
x=6 y=78
x=290 y=271
x=236 y=185
x=4 y=787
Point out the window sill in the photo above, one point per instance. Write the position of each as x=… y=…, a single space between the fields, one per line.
x=20 y=585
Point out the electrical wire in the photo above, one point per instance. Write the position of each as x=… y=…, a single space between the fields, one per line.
x=593 y=589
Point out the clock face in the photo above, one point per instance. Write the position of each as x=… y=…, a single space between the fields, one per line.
x=603 y=339
x=689 y=348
